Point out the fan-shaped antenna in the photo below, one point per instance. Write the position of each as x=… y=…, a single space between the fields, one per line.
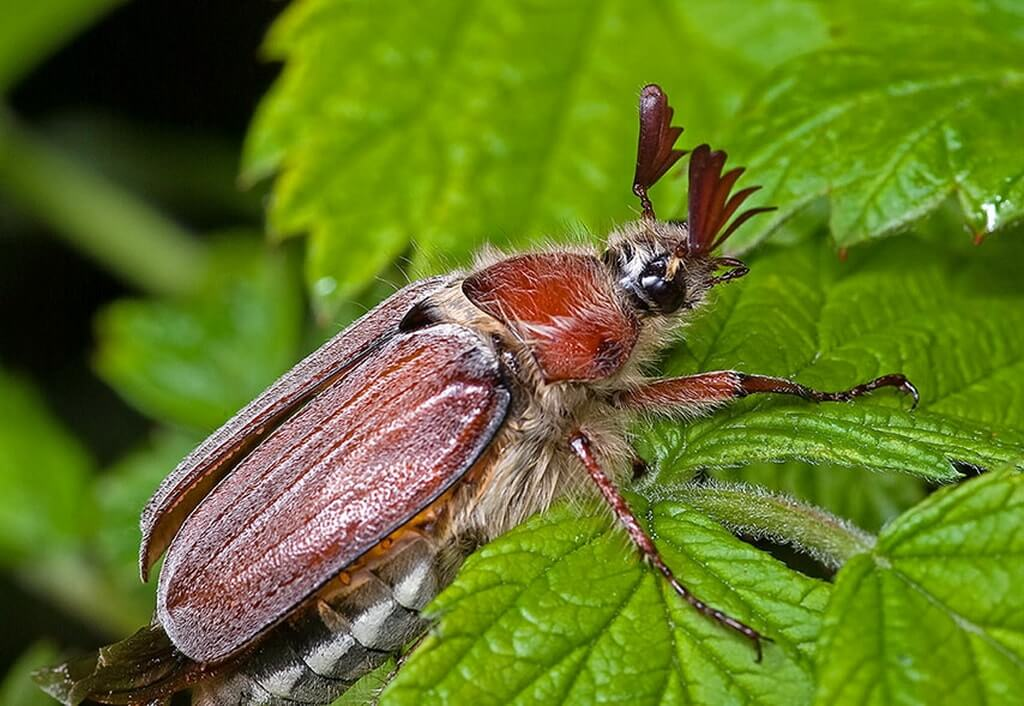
x=654 y=151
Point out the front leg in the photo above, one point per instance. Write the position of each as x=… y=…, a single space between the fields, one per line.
x=580 y=445
x=696 y=393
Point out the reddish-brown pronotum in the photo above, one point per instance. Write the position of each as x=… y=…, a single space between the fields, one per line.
x=303 y=538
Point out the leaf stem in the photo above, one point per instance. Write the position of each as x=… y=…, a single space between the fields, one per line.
x=105 y=221
x=755 y=512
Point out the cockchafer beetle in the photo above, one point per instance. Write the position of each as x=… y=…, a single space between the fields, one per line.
x=305 y=535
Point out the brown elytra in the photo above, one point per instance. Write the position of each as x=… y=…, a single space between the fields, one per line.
x=304 y=537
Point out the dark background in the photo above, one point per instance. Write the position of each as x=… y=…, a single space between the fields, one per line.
x=189 y=70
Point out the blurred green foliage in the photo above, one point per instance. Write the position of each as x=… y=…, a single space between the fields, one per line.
x=28 y=31
x=44 y=476
x=401 y=138
x=195 y=360
x=17 y=688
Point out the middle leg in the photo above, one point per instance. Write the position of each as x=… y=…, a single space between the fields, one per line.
x=581 y=446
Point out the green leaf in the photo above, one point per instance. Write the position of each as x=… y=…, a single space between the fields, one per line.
x=896 y=306
x=365 y=691
x=44 y=499
x=31 y=30
x=902 y=115
x=195 y=361
x=17 y=688
x=562 y=610
x=440 y=125
x=935 y=614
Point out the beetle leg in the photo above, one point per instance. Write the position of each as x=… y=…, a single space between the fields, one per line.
x=581 y=446
x=697 y=392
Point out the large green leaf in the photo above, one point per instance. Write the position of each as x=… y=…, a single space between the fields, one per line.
x=29 y=30
x=955 y=328
x=935 y=614
x=453 y=122
x=44 y=499
x=196 y=361
x=562 y=610
x=902 y=114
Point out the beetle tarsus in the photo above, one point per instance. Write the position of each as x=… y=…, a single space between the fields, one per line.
x=714 y=614
x=580 y=444
x=751 y=384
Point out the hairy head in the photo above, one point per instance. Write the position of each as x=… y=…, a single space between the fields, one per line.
x=665 y=266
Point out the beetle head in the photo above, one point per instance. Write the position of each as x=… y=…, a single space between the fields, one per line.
x=668 y=265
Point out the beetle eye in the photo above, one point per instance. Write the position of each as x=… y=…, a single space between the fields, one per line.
x=654 y=270
x=666 y=295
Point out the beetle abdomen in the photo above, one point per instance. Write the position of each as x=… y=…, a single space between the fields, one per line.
x=325 y=648
x=312 y=658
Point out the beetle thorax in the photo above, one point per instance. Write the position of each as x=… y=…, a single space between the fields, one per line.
x=531 y=465
x=571 y=336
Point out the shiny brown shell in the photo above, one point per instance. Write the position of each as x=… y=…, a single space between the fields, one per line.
x=211 y=461
x=367 y=454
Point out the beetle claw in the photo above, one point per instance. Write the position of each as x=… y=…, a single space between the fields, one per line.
x=908 y=388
